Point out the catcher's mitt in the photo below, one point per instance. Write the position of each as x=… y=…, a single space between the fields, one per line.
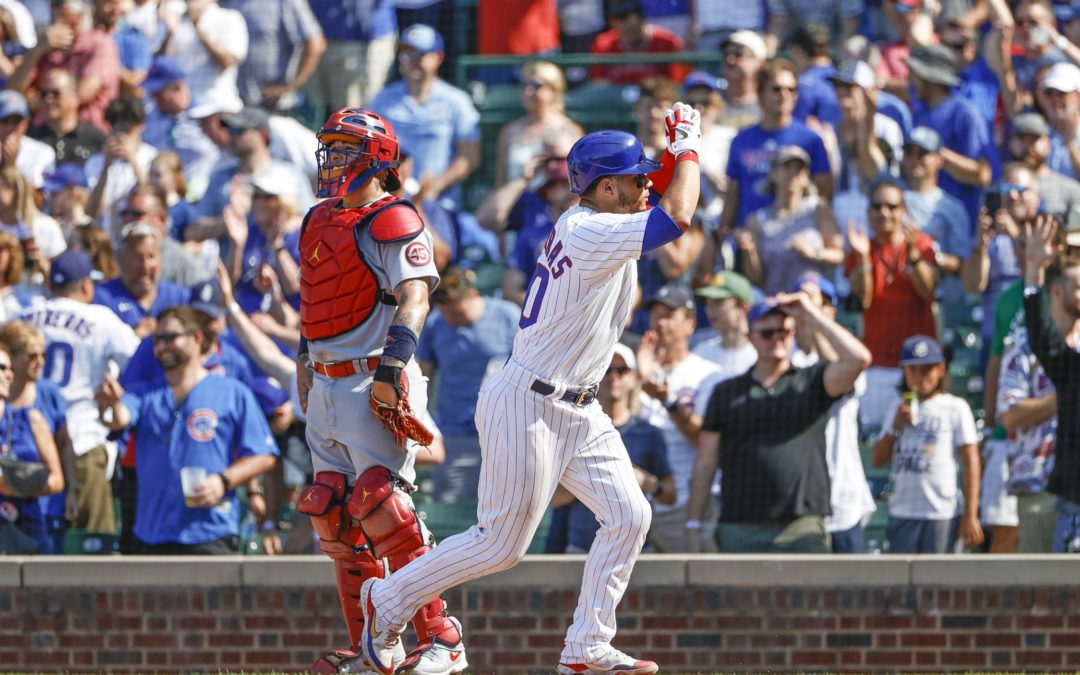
x=399 y=419
x=25 y=478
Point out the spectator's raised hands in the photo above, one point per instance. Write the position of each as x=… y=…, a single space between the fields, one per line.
x=1040 y=246
x=59 y=36
x=858 y=240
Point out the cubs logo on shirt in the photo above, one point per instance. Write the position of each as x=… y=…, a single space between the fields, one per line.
x=202 y=424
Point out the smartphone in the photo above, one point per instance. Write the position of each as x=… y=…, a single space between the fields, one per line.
x=993 y=200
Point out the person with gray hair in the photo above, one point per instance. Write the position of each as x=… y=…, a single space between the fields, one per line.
x=146 y=206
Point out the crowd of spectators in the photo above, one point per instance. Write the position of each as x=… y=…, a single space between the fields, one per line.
x=871 y=171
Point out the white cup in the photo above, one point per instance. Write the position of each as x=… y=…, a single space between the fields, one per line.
x=191 y=477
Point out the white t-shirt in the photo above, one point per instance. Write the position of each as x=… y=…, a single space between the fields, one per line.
x=121 y=180
x=294 y=143
x=924 y=468
x=728 y=363
x=225 y=28
x=684 y=383
x=82 y=341
x=35 y=159
x=48 y=235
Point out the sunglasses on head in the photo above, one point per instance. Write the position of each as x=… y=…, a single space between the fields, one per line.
x=771 y=333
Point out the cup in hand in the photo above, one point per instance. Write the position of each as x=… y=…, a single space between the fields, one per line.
x=191 y=477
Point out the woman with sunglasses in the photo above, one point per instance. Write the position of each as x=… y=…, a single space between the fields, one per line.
x=543 y=90
x=25 y=436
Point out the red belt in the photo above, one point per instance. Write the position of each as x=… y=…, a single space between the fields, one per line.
x=346 y=368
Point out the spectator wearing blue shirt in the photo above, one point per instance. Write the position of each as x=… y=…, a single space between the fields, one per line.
x=26 y=346
x=966 y=146
x=1059 y=96
x=753 y=149
x=169 y=126
x=360 y=39
x=936 y=212
x=436 y=121
x=138 y=294
x=469 y=338
x=1030 y=145
x=528 y=206
x=810 y=54
x=978 y=82
x=194 y=421
x=618 y=396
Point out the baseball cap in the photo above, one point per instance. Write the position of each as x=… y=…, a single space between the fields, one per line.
x=13 y=103
x=673 y=296
x=700 y=78
x=422 y=38
x=751 y=40
x=926 y=138
x=278 y=180
x=1063 y=77
x=827 y=288
x=214 y=102
x=857 y=73
x=934 y=63
x=728 y=285
x=790 y=152
x=68 y=174
x=248 y=118
x=919 y=350
x=206 y=298
x=627 y=355
x=164 y=71
x=72 y=266
x=1030 y=123
x=762 y=309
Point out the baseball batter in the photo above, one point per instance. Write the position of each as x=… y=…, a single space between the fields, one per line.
x=365 y=274
x=538 y=419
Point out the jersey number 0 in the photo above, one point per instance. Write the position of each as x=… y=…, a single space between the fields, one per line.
x=549 y=266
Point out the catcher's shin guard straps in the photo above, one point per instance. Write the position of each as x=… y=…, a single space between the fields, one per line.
x=342 y=540
x=386 y=516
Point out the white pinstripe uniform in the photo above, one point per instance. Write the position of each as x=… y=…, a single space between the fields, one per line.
x=578 y=302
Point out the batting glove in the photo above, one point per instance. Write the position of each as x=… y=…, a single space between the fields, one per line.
x=683 y=125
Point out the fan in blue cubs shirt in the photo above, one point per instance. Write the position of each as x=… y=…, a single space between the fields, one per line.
x=191 y=421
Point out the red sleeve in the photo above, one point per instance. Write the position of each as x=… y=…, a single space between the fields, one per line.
x=605 y=43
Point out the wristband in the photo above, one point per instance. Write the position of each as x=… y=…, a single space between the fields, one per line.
x=224 y=480
x=400 y=343
x=688 y=156
x=269 y=526
x=693 y=524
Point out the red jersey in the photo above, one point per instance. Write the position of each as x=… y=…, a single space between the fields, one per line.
x=660 y=40
x=522 y=27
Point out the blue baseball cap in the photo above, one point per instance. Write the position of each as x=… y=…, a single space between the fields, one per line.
x=66 y=175
x=828 y=289
x=422 y=38
x=164 y=71
x=206 y=298
x=72 y=266
x=700 y=78
x=762 y=309
x=919 y=350
x=13 y=103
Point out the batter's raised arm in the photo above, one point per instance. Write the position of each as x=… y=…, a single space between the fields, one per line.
x=680 y=198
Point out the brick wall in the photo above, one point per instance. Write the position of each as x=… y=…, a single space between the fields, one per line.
x=780 y=614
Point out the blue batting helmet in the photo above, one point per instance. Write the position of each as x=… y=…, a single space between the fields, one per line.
x=606 y=153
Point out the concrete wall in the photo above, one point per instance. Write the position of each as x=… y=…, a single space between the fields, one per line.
x=707 y=613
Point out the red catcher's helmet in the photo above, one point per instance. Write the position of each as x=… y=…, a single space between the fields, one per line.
x=342 y=170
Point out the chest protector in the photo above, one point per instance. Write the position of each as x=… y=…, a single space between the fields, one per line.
x=338 y=290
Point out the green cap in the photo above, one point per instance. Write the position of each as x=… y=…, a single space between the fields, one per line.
x=728 y=285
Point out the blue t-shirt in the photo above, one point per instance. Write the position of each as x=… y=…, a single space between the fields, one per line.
x=817 y=97
x=1059 y=159
x=963 y=130
x=751 y=157
x=134 y=52
x=181 y=214
x=979 y=85
x=217 y=423
x=17 y=438
x=645 y=445
x=50 y=403
x=464 y=357
x=257 y=252
x=355 y=20
x=430 y=131
x=895 y=109
x=114 y=295
x=531 y=219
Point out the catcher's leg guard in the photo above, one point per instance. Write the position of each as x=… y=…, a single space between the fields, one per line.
x=393 y=529
x=343 y=542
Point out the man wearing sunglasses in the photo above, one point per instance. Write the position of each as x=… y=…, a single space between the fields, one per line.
x=775 y=490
